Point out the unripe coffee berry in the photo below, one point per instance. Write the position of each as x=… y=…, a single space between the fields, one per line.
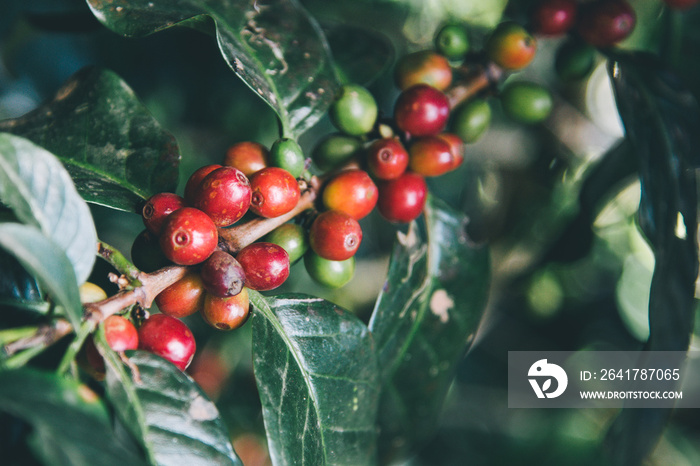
x=194 y=182
x=402 y=200
x=604 y=23
x=286 y=153
x=189 y=236
x=224 y=195
x=335 y=235
x=387 y=158
x=574 y=60
x=335 y=150
x=157 y=208
x=182 y=298
x=526 y=102
x=226 y=313
x=169 y=338
x=247 y=156
x=120 y=333
x=274 y=192
x=553 y=17
x=292 y=238
x=91 y=293
x=354 y=110
x=222 y=275
x=471 y=119
x=430 y=156
x=331 y=274
x=452 y=41
x=422 y=110
x=424 y=67
x=511 y=47
x=352 y=192
x=266 y=265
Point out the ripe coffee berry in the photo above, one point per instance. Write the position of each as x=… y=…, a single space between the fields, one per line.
x=292 y=238
x=452 y=41
x=430 y=156
x=471 y=119
x=553 y=17
x=247 y=156
x=286 y=153
x=511 y=47
x=402 y=200
x=266 y=265
x=274 y=192
x=169 y=338
x=387 y=158
x=354 y=110
x=195 y=181
x=120 y=333
x=335 y=235
x=157 y=208
x=222 y=275
x=332 y=274
x=421 y=110
x=224 y=195
x=189 y=236
x=352 y=192
x=226 y=313
x=604 y=23
x=456 y=148
x=182 y=298
x=424 y=67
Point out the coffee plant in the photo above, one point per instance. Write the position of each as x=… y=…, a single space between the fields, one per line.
x=303 y=232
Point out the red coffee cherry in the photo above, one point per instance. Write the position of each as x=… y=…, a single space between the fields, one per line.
x=247 y=156
x=456 y=148
x=222 y=275
x=266 y=265
x=430 y=156
x=604 y=23
x=421 y=110
x=189 y=236
x=120 y=333
x=387 y=158
x=424 y=67
x=335 y=235
x=224 y=195
x=402 y=200
x=226 y=313
x=352 y=192
x=510 y=46
x=553 y=17
x=195 y=181
x=274 y=192
x=169 y=338
x=157 y=208
x=182 y=298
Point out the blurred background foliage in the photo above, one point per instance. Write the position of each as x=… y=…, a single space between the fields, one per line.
x=519 y=186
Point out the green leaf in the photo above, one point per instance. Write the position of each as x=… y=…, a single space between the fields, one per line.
x=34 y=184
x=115 y=151
x=15 y=282
x=47 y=262
x=71 y=425
x=317 y=377
x=275 y=47
x=360 y=55
x=166 y=411
x=423 y=322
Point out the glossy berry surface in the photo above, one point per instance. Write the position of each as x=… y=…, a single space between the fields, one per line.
x=331 y=274
x=292 y=238
x=424 y=67
x=266 y=265
x=194 y=182
x=169 y=338
x=452 y=41
x=421 y=110
x=226 y=313
x=157 y=208
x=335 y=150
x=352 y=192
x=471 y=119
x=189 y=236
x=247 y=156
x=286 y=153
x=604 y=23
x=182 y=298
x=224 y=195
x=402 y=200
x=120 y=333
x=511 y=47
x=354 y=110
x=335 y=235
x=553 y=17
x=430 y=156
x=526 y=102
x=387 y=158
x=222 y=275
x=456 y=148
x=274 y=192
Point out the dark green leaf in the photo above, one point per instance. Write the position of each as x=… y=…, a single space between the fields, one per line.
x=71 y=425
x=318 y=381
x=360 y=55
x=15 y=282
x=274 y=47
x=423 y=322
x=114 y=150
x=38 y=189
x=47 y=262
x=661 y=120
x=166 y=411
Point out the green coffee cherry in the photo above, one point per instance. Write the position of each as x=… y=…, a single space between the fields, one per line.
x=354 y=110
x=470 y=120
x=332 y=274
x=574 y=60
x=334 y=150
x=452 y=41
x=526 y=102
x=292 y=238
x=287 y=154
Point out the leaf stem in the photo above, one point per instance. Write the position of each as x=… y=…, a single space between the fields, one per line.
x=13 y=334
x=85 y=329
x=117 y=260
x=20 y=359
